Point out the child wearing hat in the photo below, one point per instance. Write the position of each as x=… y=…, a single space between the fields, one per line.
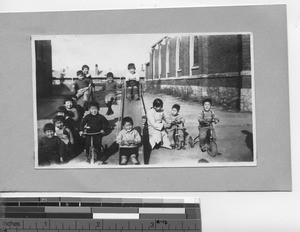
x=110 y=89
x=49 y=147
x=128 y=140
x=94 y=123
x=132 y=82
x=206 y=117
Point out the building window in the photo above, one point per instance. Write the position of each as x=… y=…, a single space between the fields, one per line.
x=153 y=63
x=177 y=56
x=196 y=51
x=167 y=59
x=159 y=61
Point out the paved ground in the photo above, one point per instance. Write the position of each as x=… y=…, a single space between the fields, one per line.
x=234 y=134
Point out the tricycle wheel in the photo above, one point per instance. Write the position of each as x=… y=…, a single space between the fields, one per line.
x=178 y=143
x=212 y=149
x=191 y=142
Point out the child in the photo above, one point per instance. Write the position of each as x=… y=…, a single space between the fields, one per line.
x=94 y=123
x=132 y=82
x=65 y=135
x=82 y=87
x=86 y=69
x=49 y=148
x=128 y=140
x=175 y=120
x=111 y=88
x=206 y=117
x=157 y=124
x=69 y=106
x=68 y=117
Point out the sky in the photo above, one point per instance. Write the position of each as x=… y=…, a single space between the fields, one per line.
x=110 y=52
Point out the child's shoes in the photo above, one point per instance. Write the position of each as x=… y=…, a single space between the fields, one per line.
x=136 y=97
x=124 y=160
x=134 y=160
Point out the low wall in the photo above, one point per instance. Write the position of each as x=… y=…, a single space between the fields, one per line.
x=222 y=92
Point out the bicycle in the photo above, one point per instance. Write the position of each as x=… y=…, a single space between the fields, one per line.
x=92 y=155
x=212 y=149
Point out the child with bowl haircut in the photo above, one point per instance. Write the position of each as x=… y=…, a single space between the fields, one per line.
x=176 y=120
x=49 y=147
x=128 y=140
x=157 y=124
x=206 y=117
x=65 y=135
x=110 y=89
x=94 y=123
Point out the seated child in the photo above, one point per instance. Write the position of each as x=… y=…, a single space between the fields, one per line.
x=176 y=121
x=94 y=123
x=157 y=124
x=65 y=135
x=110 y=89
x=49 y=147
x=132 y=83
x=82 y=87
x=128 y=140
x=86 y=72
x=70 y=106
x=68 y=116
x=206 y=117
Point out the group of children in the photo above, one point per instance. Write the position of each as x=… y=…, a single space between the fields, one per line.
x=72 y=130
x=162 y=127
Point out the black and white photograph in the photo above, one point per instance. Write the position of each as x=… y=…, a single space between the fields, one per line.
x=144 y=100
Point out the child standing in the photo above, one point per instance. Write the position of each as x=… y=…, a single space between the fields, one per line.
x=176 y=121
x=49 y=147
x=128 y=140
x=82 y=87
x=110 y=89
x=206 y=117
x=94 y=123
x=132 y=82
x=65 y=136
x=158 y=122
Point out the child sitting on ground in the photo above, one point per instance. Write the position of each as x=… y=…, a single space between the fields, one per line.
x=132 y=82
x=82 y=87
x=110 y=89
x=65 y=135
x=206 y=117
x=94 y=123
x=49 y=147
x=128 y=140
x=176 y=121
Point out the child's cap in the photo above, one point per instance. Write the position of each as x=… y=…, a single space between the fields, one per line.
x=62 y=109
x=58 y=118
x=95 y=104
x=207 y=100
x=49 y=126
x=79 y=73
x=176 y=106
x=69 y=98
x=158 y=103
x=126 y=120
x=85 y=66
x=110 y=74
x=131 y=65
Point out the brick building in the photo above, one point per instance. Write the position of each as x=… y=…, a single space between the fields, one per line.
x=199 y=66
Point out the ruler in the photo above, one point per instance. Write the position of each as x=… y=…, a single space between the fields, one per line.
x=68 y=214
